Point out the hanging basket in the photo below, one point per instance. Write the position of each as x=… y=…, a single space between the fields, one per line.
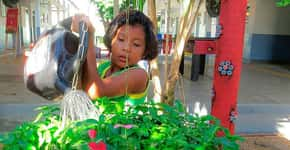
x=10 y=3
x=213 y=7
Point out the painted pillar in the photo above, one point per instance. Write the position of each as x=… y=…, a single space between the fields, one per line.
x=228 y=63
x=63 y=9
x=68 y=10
x=30 y=17
x=57 y=14
x=49 y=14
x=18 y=33
x=37 y=18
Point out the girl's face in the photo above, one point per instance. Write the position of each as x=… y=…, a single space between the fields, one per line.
x=131 y=44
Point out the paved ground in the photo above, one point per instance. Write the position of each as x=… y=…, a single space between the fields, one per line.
x=12 y=89
x=264 y=103
x=264 y=142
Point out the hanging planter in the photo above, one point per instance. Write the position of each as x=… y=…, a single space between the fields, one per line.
x=146 y=126
x=213 y=7
x=10 y=3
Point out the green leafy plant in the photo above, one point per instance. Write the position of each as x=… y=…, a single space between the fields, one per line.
x=145 y=126
x=283 y=3
x=106 y=8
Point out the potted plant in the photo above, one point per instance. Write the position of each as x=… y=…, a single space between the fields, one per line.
x=145 y=126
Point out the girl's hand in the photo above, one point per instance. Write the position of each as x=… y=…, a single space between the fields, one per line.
x=77 y=18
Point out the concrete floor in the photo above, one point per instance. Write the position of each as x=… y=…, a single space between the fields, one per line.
x=263 y=98
x=263 y=101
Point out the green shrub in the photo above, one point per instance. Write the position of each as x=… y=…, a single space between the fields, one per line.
x=147 y=126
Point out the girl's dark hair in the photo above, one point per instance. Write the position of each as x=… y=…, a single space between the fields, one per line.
x=135 y=18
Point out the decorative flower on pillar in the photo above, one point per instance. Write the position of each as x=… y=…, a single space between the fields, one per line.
x=226 y=68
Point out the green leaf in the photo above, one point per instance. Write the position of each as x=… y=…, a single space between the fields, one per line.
x=47 y=136
x=1 y=138
x=142 y=132
x=200 y=148
x=41 y=138
x=38 y=117
x=283 y=3
x=57 y=133
x=30 y=135
x=9 y=139
x=178 y=105
x=30 y=147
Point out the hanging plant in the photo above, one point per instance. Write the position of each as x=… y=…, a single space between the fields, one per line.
x=146 y=126
x=106 y=8
x=283 y=3
x=10 y=3
x=213 y=7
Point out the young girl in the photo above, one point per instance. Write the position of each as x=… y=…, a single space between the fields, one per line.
x=120 y=78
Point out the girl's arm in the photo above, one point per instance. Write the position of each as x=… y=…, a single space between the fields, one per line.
x=131 y=81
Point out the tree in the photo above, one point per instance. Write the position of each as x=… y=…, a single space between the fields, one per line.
x=106 y=8
x=283 y=3
x=184 y=31
x=155 y=75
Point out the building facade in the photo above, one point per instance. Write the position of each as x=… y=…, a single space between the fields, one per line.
x=34 y=16
x=267 y=32
x=267 y=35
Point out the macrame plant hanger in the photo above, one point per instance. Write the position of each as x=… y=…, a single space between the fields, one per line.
x=127 y=44
x=76 y=104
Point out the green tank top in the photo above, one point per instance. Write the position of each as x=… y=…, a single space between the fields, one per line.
x=132 y=99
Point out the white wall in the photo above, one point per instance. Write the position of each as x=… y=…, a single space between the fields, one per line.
x=270 y=19
x=250 y=25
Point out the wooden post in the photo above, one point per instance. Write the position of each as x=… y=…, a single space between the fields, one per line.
x=184 y=31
